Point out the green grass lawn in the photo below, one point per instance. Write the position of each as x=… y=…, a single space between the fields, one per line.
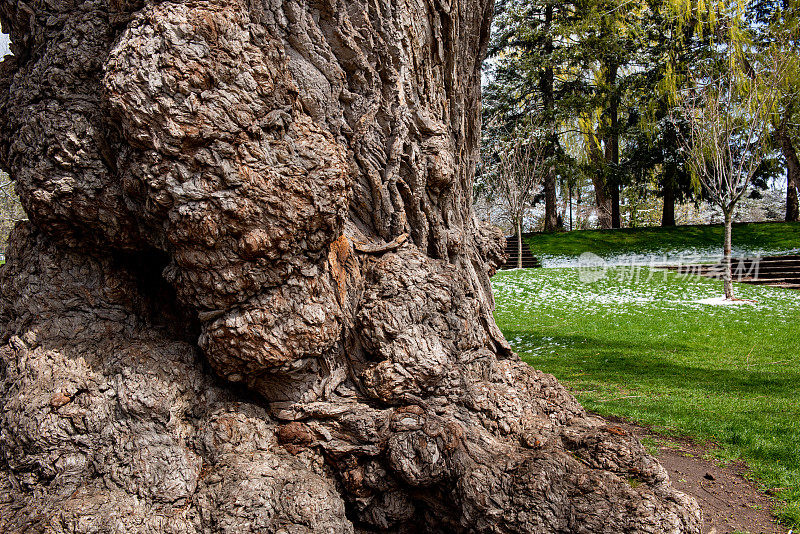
x=761 y=237
x=639 y=344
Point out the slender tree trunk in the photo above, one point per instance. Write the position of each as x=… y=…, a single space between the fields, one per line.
x=519 y=243
x=612 y=148
x=790 y=155
x=570 y=208
x=550 y=201
x=668 y=213
x=546 y=84
x=253 y=297
x=792 y=173
x=784 y=141
x=792 y=206
x=727 y=276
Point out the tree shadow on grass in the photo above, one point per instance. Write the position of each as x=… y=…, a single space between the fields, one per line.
x=629 y=362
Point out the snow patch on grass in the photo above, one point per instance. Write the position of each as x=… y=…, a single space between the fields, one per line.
x=722 y=301
x=629 y=290
x=663 y=257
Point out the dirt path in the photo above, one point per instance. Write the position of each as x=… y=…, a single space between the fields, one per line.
x=730 y=503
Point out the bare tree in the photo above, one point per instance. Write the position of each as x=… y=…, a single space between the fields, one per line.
x=515 y=167
x=729 y=116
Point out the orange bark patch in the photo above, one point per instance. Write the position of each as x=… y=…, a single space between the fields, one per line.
x=619 y=431
x=338 y=257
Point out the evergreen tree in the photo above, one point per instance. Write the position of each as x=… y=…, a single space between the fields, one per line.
x=531 y=64
x=570 y=64
x=668 y=49
x=776 y=26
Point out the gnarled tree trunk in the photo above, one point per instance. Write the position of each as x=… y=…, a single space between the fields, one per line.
x=252 y=296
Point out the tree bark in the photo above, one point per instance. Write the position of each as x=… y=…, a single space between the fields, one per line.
x=519 y=243
x=792 y=205
x=668 y=213
x=616 y=219
x=252 y=296
x=600 y=185
x=603 y=201
x=792 y=172
x=612 y=147
x=550 y=201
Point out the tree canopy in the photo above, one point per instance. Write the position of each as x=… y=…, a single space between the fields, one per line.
x=604 y=77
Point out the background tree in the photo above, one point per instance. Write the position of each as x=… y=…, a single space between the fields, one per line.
x=669 y=48
x=776 y=26
x=514 y=166
x=653 y=154
x=531 y=73
x=729 y=119
x=575 y=64
x=608 y=71
x=610 y=33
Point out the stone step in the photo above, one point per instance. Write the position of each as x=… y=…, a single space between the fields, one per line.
x=772 y=276
x=776 y=271
x=779 y=282
x=744 y=271
x=765 y=265
x=529 y=261
x=512 y=259
x=509 y=267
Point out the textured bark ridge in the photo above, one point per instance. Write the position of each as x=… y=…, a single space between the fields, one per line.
x=252 y=296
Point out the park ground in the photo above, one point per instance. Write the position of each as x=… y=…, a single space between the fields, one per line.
x=628 y=245
x=658 y=349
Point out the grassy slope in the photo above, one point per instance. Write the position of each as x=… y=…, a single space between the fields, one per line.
x=642 y=349
x=758 y=236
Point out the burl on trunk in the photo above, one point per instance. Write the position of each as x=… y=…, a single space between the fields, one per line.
x=252 y=296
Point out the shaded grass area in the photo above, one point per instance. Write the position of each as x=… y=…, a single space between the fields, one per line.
x=638 y=344
x=747 y=236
